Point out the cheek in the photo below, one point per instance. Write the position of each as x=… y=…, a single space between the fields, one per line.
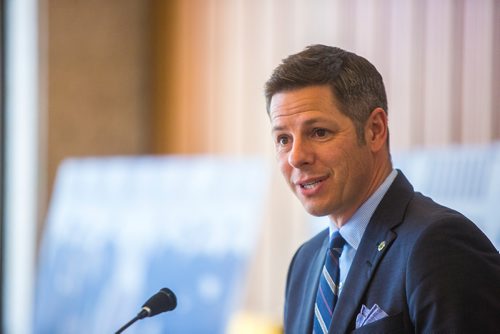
x=285 y=170
x=339 y=163
x=334 y=159
x=283 y=165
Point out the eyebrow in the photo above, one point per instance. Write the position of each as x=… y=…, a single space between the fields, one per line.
x=309 y=122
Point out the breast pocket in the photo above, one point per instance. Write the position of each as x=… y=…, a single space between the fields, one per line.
x=393 y=324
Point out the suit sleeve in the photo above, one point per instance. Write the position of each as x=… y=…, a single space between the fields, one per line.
x=453 y=280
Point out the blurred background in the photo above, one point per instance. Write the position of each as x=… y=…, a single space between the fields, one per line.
x=184 y=78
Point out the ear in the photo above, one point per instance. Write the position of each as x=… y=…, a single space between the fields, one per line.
x=376 y=129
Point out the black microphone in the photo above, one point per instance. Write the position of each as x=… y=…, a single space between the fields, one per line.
x=164 y=300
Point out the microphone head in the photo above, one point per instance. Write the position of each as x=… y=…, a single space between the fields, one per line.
x=164 y=300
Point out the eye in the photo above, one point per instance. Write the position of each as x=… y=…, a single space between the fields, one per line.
x=282 y=140
x=320 y=133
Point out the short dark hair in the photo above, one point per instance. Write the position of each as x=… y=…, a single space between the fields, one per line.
x=356 y=84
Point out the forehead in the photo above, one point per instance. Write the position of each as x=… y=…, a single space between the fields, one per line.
x=302 y=100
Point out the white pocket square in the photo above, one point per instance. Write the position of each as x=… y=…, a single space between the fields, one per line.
x=369 y=315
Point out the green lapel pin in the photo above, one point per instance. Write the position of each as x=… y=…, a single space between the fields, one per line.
x=381 y=246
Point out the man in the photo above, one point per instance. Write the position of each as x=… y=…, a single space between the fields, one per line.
x=399 y=262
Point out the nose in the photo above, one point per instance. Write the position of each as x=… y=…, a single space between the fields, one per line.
x=300 y=154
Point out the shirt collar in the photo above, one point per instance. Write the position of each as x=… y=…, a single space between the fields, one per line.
x=353 y=229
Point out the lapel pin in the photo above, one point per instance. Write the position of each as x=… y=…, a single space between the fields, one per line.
x=381 y=246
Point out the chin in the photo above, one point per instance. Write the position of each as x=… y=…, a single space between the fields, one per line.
x=317 y=212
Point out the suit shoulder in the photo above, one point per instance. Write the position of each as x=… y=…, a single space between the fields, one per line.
x=428 y=226
x=423 y=213
x=316 y=241
x=309 y=248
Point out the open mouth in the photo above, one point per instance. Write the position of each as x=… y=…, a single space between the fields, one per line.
x=311 y=184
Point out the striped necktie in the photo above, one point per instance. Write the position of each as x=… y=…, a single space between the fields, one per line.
x=328 y=290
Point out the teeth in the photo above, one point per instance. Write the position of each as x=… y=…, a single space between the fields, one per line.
x=310 y=185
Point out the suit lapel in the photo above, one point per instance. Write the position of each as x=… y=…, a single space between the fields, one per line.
x=363 y=266
x=312 y=283
x=375 y=242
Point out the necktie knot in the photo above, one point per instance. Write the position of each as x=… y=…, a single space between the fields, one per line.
x=337 y=242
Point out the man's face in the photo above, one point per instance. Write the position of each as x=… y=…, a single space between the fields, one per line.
x=318 y=152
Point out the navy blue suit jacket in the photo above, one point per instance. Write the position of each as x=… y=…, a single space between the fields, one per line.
x=438 y=273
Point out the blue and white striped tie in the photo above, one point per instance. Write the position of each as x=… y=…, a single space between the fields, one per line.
x=328 y=290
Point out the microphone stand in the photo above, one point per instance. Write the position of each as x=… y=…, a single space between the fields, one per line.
x=145 y=311
x=127 y=325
